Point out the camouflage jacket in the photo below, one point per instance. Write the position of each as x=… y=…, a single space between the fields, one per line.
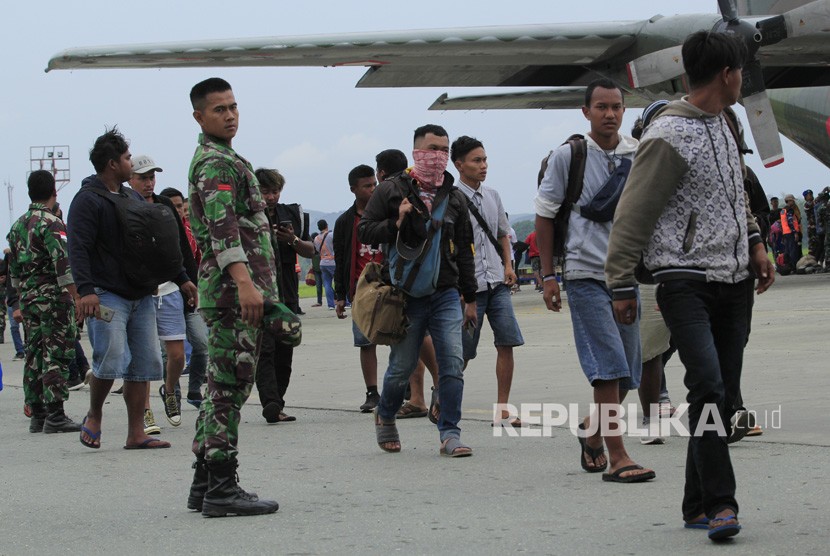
x=39 y=263
x=227 y=218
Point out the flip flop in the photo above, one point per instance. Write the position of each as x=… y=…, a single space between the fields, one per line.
x=719 y=530
x=96 y=437
x=283 y=418
x=616 y=476
x=515 y=423
x=699 y=523
x=410 y=411
x=592 y=453
x=148 y=444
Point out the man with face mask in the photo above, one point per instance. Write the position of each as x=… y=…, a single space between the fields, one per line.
x=399 y=214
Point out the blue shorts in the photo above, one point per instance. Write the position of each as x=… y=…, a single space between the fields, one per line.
x=170 y=317
x=127 y=347
x=497 y=304
x=607 y=350
x=360 y=340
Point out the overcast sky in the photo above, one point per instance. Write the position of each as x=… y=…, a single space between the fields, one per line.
x=310 y=123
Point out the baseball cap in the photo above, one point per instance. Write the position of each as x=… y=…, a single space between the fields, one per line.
x=143 y=164
x=806 y=191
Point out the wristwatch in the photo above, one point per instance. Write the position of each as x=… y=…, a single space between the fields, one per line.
x=295 y=241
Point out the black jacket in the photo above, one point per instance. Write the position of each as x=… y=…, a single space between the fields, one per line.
x=457 y=259
x=342 y=241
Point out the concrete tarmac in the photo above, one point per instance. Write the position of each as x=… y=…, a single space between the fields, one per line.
x=339 y=493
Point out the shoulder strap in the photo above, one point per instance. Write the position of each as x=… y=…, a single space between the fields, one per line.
x=576 y=172
x=444 y=195
x=485 y=227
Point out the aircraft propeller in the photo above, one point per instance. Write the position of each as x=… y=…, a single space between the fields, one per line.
x=667 y=64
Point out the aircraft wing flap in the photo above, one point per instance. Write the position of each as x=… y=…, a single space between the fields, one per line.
x=570 y=97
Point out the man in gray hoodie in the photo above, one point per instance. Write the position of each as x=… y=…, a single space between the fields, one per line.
x=609 y=351
x=699 y=254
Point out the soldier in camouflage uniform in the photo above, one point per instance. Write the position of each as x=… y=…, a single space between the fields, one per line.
x=236 y=274
x=2 y=301
x=39 y=269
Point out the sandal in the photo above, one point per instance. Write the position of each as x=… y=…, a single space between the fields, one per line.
x=453 y=448
x=720 y=527
x=434 y=407
x=386 y=433
x=94 y=441
x=592 y=453
x=410 y=411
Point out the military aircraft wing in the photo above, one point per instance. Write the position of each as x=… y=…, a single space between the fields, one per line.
x=572 y=97
x=491 y=56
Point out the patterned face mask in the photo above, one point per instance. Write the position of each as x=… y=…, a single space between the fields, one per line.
x=429 y=167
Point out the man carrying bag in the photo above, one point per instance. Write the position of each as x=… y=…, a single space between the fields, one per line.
x=424 y=221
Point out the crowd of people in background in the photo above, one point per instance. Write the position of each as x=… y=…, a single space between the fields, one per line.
x=229 y=288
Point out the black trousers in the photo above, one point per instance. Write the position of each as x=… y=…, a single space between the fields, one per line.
x=273 y=371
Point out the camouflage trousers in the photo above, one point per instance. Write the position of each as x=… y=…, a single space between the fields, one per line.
x=50 y=346
x=233 y=349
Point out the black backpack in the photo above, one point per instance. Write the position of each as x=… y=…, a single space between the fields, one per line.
x=150 y=240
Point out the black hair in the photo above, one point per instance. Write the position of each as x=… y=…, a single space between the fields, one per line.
x=360 y=172
x=391 y=161
x=462 y=146
x=109 y=146
x=774 y=199
x=436 y=130
x=269 y=179
x=41 y=185
x=706 y=53
x=171 y=192
x=322 y=225
x=602 y=84
x=202 y=89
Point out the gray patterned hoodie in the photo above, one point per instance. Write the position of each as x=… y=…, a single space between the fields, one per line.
x=684 y=206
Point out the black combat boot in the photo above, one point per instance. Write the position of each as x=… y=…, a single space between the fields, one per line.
x=200 y=485
x=38 y=417
x=57 y=421
x=224 y=496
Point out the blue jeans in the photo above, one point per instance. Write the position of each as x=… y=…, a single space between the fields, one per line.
x=328 y=276
x=607 y=350
x=708 y=323
x=497 y=303
x=441 y=314
x=14 y=326
x=127 y=347
x=197 y=334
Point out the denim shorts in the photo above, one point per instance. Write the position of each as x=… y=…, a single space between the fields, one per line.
x=497 y=303
x=359 y=339
x=170 y=316
x=127 y=347
x=607 y=350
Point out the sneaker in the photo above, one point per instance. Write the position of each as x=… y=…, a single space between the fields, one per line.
x=195 y=399
x=652 y=440
x=150 y=426
x=372 y=400
x=19 y=356
x=75 y=384
x=172 y=407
